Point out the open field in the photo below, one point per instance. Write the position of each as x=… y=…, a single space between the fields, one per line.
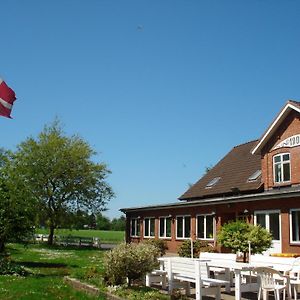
x=48 y=265
x=105 y=236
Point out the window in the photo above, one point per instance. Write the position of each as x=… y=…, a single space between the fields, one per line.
x=213 y=182
x=149 y=227
x=269 y=220
x=135 y=227
x=282 y=168
x=183 y=227
x=254 y=176
x=295 y=225
x=165 y=227
x=205 y=227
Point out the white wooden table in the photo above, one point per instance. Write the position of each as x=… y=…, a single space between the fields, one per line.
x=237 y=268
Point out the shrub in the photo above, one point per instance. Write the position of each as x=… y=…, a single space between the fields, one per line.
x=198 y=246
x=7 y=267
x=161 y=245
x=236 y=235
x=130 y=261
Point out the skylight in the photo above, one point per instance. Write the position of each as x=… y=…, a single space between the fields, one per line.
x=213 y=182
x=255 y=175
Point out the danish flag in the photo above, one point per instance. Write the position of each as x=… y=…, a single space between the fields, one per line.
x=7 y=98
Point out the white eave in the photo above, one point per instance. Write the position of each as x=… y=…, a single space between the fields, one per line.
x=273 y=127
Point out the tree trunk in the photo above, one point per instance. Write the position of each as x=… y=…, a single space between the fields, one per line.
x=2 y=245
x=51 y=235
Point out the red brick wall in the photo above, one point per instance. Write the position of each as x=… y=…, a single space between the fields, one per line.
x=290 y=127
x=225 y=212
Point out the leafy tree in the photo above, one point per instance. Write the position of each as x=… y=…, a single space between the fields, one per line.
x=118 y=224
x=60 y=174
x=103 y=223
x=16 y=207
x=236 y=235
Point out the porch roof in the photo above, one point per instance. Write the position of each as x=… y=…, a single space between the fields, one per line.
x=288 y=192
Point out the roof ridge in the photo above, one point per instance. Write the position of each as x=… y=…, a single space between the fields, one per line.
x=294 y=101
x=252 y=141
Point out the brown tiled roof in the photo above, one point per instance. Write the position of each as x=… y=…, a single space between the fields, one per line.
x=234 y=171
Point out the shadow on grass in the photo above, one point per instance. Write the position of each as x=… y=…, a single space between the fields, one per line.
x=68 y=247
x=32 y=264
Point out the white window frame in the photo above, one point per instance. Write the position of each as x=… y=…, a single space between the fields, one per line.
x=165 y=227
x=281 y=163
x=291 y=224
x=214 y=228
x=149 y=228
x=183 y=227
x=267 y=213
x=135 y=227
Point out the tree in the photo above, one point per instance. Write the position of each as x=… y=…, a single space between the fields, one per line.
x=60 y=174
x=103 y=223
x=118 y=224
x=236 y=235
x=16 y=207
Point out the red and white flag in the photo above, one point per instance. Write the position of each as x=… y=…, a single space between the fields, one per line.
x=7 y=98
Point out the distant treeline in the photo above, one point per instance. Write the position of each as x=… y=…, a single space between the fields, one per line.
x=82 y=220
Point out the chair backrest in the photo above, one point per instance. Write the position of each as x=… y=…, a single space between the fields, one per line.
x=268 y=281
x=204 y=270
x=183 y=266
x=294 y=273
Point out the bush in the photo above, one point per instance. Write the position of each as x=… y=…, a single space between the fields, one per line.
x=236 y=235
x=7 y=267
x=161 y=245
x=130 y=261
x=198 y=246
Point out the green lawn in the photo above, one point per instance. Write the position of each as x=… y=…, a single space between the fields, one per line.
x=48 y=266
x=105 y=236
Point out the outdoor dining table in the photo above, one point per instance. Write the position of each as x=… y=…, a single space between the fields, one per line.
x=237 y=268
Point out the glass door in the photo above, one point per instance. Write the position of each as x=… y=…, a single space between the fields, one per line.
x=271 y=221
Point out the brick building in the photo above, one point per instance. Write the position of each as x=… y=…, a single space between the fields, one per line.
x=258 y=181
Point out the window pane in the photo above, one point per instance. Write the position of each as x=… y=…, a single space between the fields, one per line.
x=286 y=157
x=296 y=226
x=133 y=227
x=162 y=227
x=261 y=220
x=179 y=227
x=146 y=227
x=187 y=227
x=168 y=227
x=277 y=159
x=274 y=225
x=278 y=177
x=209 y=227
x=137 y=227
x=286 y=172
x=152 y=227
x=200 y=229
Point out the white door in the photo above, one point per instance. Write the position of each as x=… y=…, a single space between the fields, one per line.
x=270 y=219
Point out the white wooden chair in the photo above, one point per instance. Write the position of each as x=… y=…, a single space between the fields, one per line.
x=193 y=271
x=294 y=275
x=271 y=280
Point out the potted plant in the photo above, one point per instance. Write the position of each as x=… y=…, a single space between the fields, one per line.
x=238 y=235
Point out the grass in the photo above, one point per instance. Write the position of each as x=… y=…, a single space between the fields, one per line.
x=48 y=266
x=105 y=236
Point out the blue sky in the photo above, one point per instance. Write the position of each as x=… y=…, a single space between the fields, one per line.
x=160 y=89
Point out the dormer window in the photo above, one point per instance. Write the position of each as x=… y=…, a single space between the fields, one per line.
x=213 y=182
x=282 y=168
x=254 y=176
